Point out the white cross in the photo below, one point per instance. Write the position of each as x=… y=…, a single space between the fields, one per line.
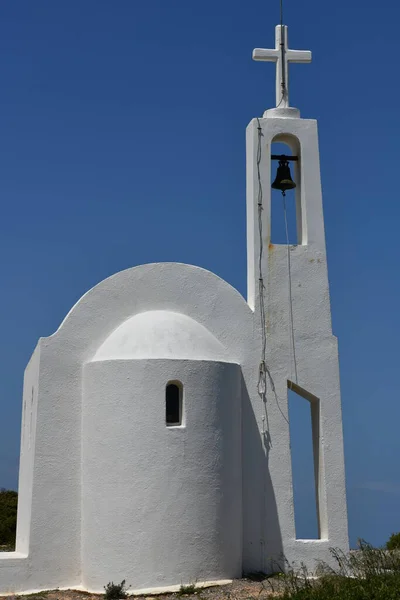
x=281 y=55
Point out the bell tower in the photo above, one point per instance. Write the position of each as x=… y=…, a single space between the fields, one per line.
x=288 y=290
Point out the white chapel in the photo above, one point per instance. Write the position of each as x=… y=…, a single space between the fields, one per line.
x=155 y=443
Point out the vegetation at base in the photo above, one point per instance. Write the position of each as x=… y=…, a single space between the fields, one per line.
x=8 y=518
x=378 y=587
x=365 y=574
x=115 y=591
x=42 y=594
x=186 y=590
x=393 y=542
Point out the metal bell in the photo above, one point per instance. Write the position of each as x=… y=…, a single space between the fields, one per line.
x=283 y=180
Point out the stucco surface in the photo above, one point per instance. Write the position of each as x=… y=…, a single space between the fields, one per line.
x=176 y=491
x=191 y=293
x=107 y=491
x=315 y=345
x=161 y=334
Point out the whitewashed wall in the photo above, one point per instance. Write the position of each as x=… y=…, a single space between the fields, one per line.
x=81 y=462
x=161 y=505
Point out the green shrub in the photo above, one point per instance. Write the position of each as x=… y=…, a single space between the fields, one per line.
x=394 y=542
x=185 y=590
x=365 y=574
x=377 y=587
x=8 y=517
x=115 y=591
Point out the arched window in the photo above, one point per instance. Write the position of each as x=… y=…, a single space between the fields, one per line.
x=286 y=225
x=173 y=404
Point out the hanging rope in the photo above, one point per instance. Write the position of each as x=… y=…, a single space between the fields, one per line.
x=292 y=346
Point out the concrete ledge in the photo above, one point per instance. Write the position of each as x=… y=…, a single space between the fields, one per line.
x=176 y=588
x=144 y=591
x=8 y=559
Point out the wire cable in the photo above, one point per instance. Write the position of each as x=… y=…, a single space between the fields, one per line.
x=264 y=373
x=283 y=50
x=262 y=382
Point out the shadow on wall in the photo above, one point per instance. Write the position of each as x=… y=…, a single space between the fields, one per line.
x=262 y=540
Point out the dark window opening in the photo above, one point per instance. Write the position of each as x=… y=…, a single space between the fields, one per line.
x=173 y=404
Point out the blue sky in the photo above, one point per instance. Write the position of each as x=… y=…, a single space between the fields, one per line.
x=122 y=142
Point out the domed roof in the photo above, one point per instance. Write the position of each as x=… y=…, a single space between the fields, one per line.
x=161 y=334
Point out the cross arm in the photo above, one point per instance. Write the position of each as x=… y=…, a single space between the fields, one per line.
x=298 y=56
x=267 y=55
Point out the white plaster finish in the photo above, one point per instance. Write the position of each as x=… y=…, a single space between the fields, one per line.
x=14 y=567
x=316 y=346
x=161 y=334
x=98 y=405
x=284 y=113
x=177 y=501
x=55 y=560
x=28 y=429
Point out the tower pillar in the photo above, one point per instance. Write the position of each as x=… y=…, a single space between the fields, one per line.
x=289 y=291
